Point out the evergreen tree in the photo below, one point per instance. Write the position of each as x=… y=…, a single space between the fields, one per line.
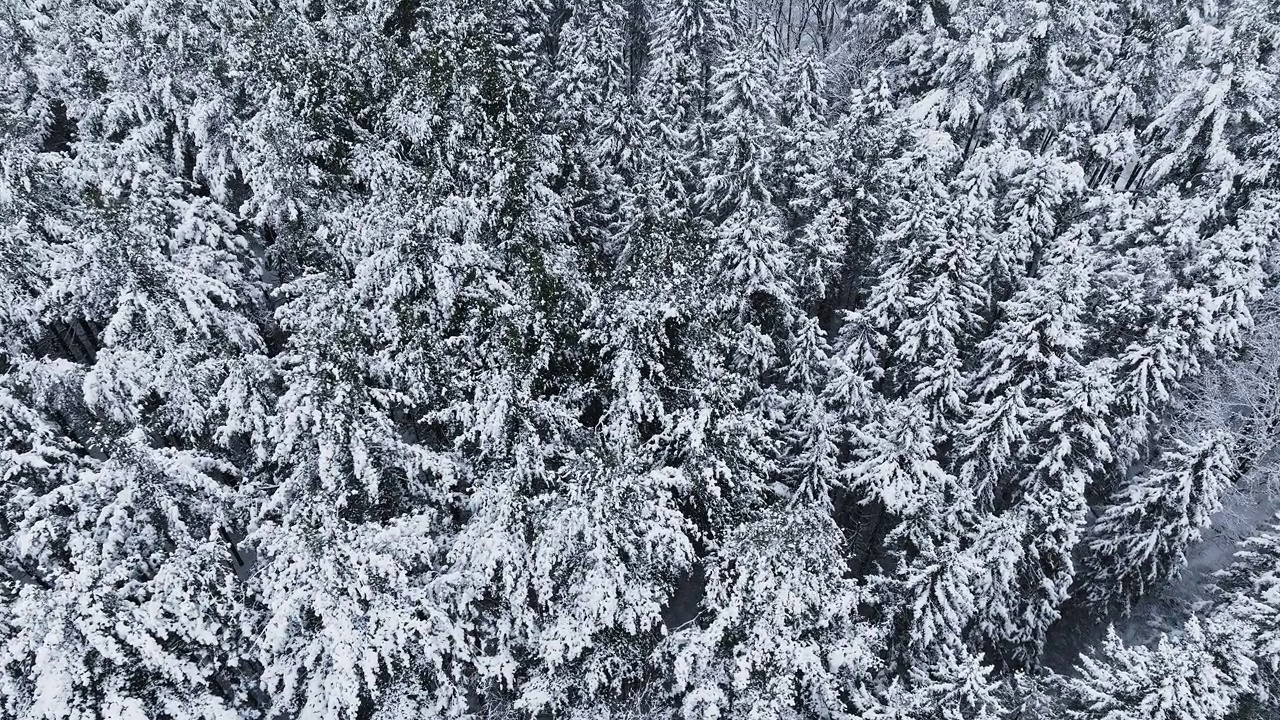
x=1039 y=342
x=1180 y=678
x=927 y=300
x=784 y=638
x=1070 y=442
x=1140 y=539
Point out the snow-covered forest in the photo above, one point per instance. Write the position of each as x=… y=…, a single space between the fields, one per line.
x=639 y=359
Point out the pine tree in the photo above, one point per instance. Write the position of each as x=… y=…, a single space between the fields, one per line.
x=927 y=300
x=1140 y=539
x=1039 y=341
x=127 y=599
x=1245 y=603
x=956 y=688
x=896 y=465
x=350 y=596
x=1070 y=442
x=26 y=184
x=1180 y=678
x=751 y=261
x=806 y=161
x=1041 y=189
x=783 y=638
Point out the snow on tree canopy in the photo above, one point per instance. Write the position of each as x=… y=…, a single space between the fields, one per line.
x=605 y=359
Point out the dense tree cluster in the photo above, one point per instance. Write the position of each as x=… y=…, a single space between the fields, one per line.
x=596 y=359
